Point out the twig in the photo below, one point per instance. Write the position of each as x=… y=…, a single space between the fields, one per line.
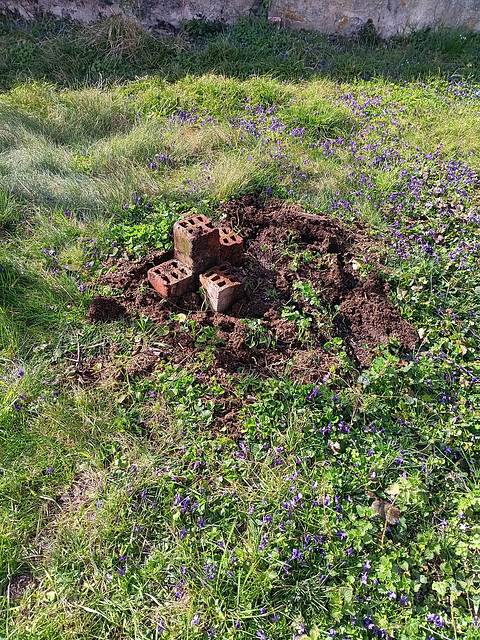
x=453 y=618
x=325 y=518
x=79 y=355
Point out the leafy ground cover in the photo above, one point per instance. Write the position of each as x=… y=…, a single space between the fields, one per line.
x=314 y=488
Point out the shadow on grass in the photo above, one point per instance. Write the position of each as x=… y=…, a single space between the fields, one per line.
x=69 y=54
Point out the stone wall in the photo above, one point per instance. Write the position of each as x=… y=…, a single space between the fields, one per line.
x=329 y=16
x=389 y=17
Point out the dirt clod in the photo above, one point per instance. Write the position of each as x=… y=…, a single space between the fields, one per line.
x=105 y=309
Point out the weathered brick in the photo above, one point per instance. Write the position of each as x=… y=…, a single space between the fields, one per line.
x=231 y=246
x=197 y=243
x=171 y=279
x=222 y=287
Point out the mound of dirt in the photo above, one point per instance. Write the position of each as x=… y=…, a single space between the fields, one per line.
x=278 y=326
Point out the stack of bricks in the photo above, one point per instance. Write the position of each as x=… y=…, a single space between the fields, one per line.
x=203 y=254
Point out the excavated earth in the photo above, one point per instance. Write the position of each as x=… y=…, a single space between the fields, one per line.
x=355 y=307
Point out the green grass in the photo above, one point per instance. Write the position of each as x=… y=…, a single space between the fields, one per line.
x=132 y=515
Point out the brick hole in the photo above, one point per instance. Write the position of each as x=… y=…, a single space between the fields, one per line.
x=215 y=278
x=165 y=279
x=222 y=283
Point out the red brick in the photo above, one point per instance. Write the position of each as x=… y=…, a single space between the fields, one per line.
x=171 y=279
x=231 y=246
x=222 y=287
x=197 y=243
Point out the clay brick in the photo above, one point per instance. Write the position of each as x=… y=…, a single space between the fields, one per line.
x=231 y=246
x=197 y=243
x=222 y=287
x=171 y=279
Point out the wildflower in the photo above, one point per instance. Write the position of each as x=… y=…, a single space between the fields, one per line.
x=313 y=394
x=196 y=619
x=437 y=619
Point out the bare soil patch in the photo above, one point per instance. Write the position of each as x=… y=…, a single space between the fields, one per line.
x=283 y=246
x=73 y=502
x=19 y=585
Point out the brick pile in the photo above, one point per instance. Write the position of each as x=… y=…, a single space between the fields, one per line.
x=203 y=256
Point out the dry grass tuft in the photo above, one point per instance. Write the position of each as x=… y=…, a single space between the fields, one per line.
x=118 y=36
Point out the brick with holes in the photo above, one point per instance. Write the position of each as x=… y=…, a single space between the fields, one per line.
x=222 y=287
x=197 y=243
x=231 y=246
x=172 y=279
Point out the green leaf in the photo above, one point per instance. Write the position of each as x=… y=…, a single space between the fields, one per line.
x=440 y=588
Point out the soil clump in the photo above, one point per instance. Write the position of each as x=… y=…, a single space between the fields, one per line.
x=105 y=309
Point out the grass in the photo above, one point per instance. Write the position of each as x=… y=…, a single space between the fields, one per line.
x=130 y=515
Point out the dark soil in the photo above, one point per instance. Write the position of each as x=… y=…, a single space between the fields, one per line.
x=105 y=309
x=283 y=246
x=19 y=585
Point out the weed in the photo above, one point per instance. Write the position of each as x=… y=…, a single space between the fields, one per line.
x=302 y=321
x=257 y=335
x=145 y=225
